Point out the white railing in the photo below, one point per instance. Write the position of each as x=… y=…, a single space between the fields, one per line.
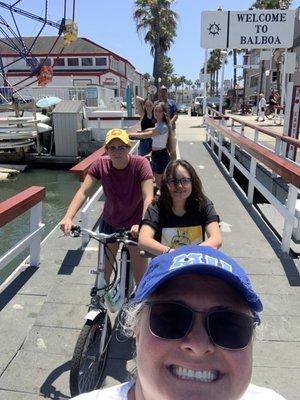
x=93 y=96
x=10 y=209
x=216 y=135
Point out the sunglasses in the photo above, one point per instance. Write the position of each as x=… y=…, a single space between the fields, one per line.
x=176 y=182
x=114 y=149
x=228 y=329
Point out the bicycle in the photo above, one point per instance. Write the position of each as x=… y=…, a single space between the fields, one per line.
x=270 y=111
x=91 y=349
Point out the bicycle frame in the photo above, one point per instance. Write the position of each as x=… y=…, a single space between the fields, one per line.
x=103 y=299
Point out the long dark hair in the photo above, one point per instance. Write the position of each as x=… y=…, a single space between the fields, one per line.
x=196 y=197
x=166 y=118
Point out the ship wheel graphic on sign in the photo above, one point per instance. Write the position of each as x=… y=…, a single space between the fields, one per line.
x=214 y=29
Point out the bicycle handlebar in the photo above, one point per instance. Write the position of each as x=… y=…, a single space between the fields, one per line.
x=120 y=236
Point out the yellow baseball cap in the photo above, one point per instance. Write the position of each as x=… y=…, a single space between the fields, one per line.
x=117 y=134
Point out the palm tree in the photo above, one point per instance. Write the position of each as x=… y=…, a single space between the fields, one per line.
x=159 y=23
x=182 y=82
x=176 y=82
x=167 y=71
x=197 y=83
x=234 y=53
x=214 y=63
x=272 y=4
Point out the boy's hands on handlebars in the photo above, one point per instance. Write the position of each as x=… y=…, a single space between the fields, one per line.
x=66 y=225
x=134 y=231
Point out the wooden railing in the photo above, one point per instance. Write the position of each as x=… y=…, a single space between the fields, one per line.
x=281 y=140
x=217 y=132
x=81 y=169
x=30 y=199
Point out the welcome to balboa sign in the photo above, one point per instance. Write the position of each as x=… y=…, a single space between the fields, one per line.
x=250 y=29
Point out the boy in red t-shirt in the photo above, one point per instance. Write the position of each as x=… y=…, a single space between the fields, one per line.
x=127 y=182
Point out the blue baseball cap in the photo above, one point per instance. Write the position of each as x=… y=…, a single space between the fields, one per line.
x=203 y=260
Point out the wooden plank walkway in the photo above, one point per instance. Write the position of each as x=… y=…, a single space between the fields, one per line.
x=43 y=308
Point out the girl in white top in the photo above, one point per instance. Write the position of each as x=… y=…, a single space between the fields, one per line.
x=261 y=107
x=161 y=136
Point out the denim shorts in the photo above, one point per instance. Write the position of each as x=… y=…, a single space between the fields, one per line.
x=145 y=146
x=160 y=159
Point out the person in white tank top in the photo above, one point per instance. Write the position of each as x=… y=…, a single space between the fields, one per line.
x=161 y=136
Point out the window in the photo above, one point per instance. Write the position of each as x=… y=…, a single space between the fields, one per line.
x=73 y=62
x=59 y=62
x=101 y=61
x=274 y=76
x=87 y=62
x=82 y=82
x=45 y=61
x=254 y=80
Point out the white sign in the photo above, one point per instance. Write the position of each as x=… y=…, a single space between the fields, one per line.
x=204 y=77
x=266 y=55
x=249 y=29
x=290 y=61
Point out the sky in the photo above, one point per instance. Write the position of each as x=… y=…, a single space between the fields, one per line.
x=110 y=24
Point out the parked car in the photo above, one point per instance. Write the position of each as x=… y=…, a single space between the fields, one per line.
x=197 y=106
x=213 y=102
x=183 y=108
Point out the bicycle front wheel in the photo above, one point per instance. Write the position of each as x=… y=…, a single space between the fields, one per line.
x=90 y=355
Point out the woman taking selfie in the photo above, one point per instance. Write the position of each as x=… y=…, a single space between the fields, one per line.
x=193 y=318
x=181 y=215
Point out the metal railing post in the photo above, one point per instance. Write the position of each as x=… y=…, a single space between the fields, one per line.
x=288 y=222
x=231 y=163
x=251 y=184
x=35 y=244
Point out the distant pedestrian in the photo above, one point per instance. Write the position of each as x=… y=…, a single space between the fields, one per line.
x=145 y=109
x=261 y=107
x=173 y=115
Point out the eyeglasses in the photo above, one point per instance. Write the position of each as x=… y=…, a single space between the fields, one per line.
x=176 y=182
x=231 y=330
x=114 y=149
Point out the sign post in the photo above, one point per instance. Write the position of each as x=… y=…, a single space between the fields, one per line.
x=294 y=122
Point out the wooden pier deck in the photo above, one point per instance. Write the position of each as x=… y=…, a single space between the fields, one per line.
x=42 y=308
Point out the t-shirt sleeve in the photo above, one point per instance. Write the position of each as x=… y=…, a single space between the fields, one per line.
x=151 y=217
x=209 y=213
x=95 y=170
x=145 y=169
x=161 y=128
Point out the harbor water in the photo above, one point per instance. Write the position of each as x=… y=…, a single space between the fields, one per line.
x=60 y=187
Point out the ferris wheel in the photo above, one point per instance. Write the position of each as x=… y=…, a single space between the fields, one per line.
x=15 y=17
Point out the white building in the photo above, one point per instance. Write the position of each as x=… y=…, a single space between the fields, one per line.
x=82 y=63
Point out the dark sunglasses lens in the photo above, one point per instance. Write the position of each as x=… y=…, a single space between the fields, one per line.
x=170 y=321
x=229 y=329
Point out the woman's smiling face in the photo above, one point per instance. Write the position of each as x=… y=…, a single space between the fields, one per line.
x=158 y=113
x=180 y=185
x=192 y=368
